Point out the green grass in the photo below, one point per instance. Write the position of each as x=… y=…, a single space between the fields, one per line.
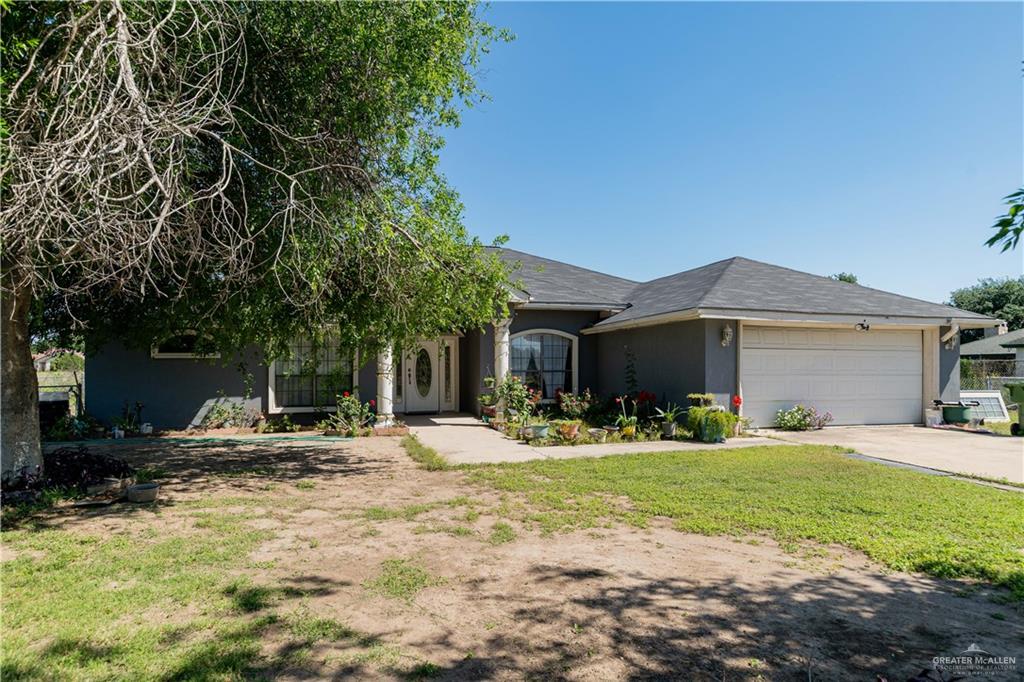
x=903 y=519
x=428 y=458
x=401 y=579
x=1000 y=428
x=501 y=533
x=84 y=606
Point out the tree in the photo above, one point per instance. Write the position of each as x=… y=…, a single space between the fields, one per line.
x=250 y=170
x=847 y=277
x=1009 y=226
x=1001 y=298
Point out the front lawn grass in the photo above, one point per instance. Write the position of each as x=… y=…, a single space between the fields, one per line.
x=903 y=519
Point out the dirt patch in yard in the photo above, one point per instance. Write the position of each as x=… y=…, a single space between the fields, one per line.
x=371 y=566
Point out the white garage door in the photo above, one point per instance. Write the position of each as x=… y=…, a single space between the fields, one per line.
x=869 y=377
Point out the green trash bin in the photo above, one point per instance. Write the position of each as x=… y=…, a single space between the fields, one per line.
x=956 y=414
x=1016 y=392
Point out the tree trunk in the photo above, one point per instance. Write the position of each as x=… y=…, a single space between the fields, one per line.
x=19 y=389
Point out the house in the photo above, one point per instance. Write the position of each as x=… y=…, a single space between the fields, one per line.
x=1005 y=346
x=773 y=335
x=43 y=362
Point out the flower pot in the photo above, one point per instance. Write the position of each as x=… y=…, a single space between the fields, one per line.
x=486 y=417
x=540 y=430
x=629 y=431
x=598 y=435
x=143 y=492
x=526 y=432
x=568 y=429
x=668 y=429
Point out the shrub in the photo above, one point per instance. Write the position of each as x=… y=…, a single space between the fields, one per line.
x=282 y=425
x=69 y=427
x=575 y=405
x=710 y=425
x=352 y=415
x=519 y=398
x=717 y=426
x=695 y=420
x=801 y=418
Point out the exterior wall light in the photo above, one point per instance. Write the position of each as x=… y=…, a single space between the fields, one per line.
x=726 y=335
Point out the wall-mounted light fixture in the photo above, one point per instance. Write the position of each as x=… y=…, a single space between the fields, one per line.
x=726 y=335
x=862 y=326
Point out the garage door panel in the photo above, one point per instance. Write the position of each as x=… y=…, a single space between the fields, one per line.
x=861 y=378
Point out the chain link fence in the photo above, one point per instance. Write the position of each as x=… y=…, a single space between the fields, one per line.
x=990 y=375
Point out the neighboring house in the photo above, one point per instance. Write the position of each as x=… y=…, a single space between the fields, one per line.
x=43 y=362
x=775 y=336
x=1008 y=346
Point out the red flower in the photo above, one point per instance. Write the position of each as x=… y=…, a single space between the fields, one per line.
x=373 y=403
x=737 y=400
x=345 y=394
x=618 y=400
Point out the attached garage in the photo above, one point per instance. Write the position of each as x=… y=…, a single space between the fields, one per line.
x=861 y=377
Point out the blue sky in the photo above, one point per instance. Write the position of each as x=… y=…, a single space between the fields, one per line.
x=645 y=139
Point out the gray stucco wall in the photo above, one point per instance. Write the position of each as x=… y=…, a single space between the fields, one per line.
x=171 y=390
x=670 y=360
x=949 y=370
x=470 y=379
x=720 y=361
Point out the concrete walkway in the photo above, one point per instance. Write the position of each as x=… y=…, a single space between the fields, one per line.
x=464 y=439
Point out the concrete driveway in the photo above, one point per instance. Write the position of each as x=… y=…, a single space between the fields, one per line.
x=952 y=451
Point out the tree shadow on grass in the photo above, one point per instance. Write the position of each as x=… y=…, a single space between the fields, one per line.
x=215 y=469
x=827 y=627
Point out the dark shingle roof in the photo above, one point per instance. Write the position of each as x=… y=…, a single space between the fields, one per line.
x=551 y=281
x=1000 y=344
x=744 y=284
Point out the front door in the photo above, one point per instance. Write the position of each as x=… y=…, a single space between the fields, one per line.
x=421 y=378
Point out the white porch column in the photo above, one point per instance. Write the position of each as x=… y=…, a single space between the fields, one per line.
x=501 y=349
x=501 y=356
x=385 y=388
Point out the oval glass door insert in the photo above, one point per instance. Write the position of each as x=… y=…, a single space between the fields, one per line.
x=424 y=372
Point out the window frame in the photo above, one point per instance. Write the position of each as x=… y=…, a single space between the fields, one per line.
x=154 y=349
x=274 y=408
x=575 y=345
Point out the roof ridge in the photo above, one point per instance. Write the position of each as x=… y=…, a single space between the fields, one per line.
x=683 y=272
x=562 y=262
x=852 y=284
x=731 y=262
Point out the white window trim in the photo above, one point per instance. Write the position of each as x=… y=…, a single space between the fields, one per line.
x=556 y=332
x=154 y=351
x=274 y=408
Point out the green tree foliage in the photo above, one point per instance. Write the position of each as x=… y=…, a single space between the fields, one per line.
x=1001 y=298
x=1009 y=226
x=847 y=277
x=348 y=100
x=250 y=170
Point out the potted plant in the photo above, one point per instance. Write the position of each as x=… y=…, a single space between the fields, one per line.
x=626 y=421
x=669 y=416
x=568 y=428
x=539 y=426
x=599 y=435
x=488 y=409
x=700 y=399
